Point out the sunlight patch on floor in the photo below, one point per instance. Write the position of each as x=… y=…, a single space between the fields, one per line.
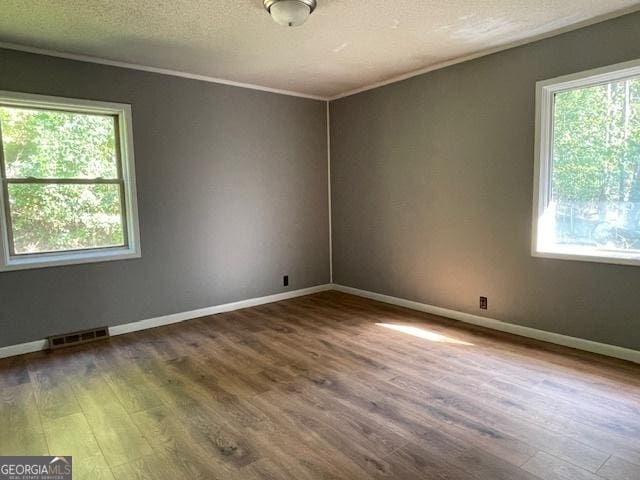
x=423 y=333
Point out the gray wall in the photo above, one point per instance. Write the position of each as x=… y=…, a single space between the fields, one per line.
x=232 y=192
x=432 y=183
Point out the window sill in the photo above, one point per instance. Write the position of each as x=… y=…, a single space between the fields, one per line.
x=67 y=258
x=590 y=256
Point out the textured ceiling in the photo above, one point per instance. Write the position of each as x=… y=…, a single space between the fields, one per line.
x=345 y=45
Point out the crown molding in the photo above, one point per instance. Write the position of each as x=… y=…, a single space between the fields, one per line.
x=162 y=71
x=348 y=93
x=489 y=51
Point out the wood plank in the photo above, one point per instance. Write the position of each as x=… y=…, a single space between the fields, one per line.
x=118 y=437
x=542 y=439
x=618 y=469
x=54 y=394
x=72 y=435
x=18 y=409
x=24 y=442
x=205 y=451
x=552 y=468
x=13 y=372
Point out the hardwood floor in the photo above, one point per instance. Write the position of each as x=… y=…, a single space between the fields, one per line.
x=328 y=386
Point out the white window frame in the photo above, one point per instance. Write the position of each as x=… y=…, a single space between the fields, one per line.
x=132 y=249
x=545 y=95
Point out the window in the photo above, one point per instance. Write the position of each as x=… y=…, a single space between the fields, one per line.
x=68 y=182
x=587 y=191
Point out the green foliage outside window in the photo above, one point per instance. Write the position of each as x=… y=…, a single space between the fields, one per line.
x=62 y=147
x=596 y=166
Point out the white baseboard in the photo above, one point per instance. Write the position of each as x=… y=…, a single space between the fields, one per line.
x=37 y=345
x=203 y=312
x=556 y=338
x=21 y=348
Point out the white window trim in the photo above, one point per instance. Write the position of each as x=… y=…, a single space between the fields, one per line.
x=545 y=92
x=132 y=250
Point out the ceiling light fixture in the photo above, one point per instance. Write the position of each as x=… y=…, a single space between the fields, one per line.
x=290 y=13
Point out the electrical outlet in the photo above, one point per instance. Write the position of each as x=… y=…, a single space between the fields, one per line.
x=484 y=303
x=285 y=280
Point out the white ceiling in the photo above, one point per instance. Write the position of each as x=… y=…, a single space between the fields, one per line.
x=346 y=45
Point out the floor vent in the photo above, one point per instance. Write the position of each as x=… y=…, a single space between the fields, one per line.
x=78 y=338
